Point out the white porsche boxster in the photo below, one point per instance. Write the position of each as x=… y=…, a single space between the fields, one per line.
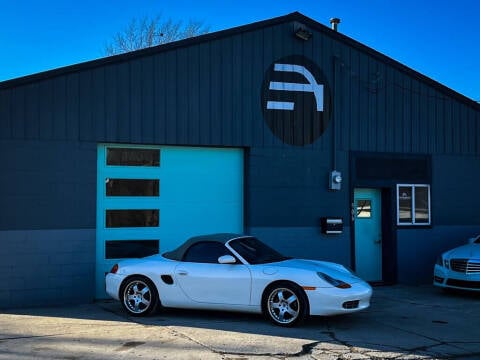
x=236 y=273
x=459 y=268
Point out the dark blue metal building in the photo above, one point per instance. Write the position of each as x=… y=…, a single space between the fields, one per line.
x=284 y=129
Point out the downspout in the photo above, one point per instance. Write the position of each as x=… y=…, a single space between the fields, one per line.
x=335 y=175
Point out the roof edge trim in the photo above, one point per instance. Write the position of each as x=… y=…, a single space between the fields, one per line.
x=294 y=16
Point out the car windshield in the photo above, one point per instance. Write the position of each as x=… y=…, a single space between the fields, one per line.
x=256 y=252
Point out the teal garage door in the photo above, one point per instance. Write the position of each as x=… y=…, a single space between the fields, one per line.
x=150 y=199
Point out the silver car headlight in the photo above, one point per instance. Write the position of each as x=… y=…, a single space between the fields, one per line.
x=442 y=262
x=334 y=282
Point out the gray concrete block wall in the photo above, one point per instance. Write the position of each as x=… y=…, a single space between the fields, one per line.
x=46 y=267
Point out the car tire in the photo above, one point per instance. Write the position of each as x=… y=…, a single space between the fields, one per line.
x=139 y=296
x=285 y=304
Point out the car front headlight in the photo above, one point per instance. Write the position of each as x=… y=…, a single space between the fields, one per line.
x=443 y=262
x=334 y=282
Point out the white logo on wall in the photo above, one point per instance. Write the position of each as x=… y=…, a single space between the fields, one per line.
x=312 y=87
x=295 y=100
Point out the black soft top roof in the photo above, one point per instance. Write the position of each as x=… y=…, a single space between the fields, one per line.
x=179 y=252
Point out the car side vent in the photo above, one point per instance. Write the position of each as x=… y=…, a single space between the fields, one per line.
x=167 y=279
x=351 y=304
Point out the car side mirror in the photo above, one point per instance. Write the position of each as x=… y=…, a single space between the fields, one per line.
x=226 y=259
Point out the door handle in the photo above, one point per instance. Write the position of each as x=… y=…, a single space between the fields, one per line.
x=379 y=241
x=182 y=272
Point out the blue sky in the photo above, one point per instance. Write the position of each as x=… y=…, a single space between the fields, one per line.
x=439 y=38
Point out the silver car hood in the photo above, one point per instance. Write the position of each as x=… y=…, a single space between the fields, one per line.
x=464 y=252
x=332 y=269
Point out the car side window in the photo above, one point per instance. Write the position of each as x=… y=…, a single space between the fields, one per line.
x=206 y=252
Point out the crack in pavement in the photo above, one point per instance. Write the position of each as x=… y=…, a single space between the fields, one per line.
x=32 y=337
x=430 y=353
x=130 y=345
x=392 y=353
x=428 y=348
x=306 y=348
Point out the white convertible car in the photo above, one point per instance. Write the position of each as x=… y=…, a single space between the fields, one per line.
x=236 y=273
x=459 y=268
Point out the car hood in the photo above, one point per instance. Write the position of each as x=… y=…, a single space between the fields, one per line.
x=465 y=252
x=334 y=270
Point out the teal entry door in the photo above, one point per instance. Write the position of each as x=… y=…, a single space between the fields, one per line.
x=368 y=234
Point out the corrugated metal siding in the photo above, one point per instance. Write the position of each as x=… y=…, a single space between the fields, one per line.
x=205 y=94
x=288 y=188
x=384 y=110
x=5 y=114
x=209 y=94
x=47 y=185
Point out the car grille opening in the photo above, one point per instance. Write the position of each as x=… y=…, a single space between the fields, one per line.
x=465 y=266
x=439 y=279
x=351 y=304
x=464 y=284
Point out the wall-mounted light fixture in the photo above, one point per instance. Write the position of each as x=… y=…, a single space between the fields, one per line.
x=303 y=33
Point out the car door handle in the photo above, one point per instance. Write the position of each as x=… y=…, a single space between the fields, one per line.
x=182 y=272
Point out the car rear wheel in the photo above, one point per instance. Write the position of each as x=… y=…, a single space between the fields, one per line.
x=285 y=304
x=139 y=296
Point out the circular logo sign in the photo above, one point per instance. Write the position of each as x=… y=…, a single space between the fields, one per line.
x=296 y=100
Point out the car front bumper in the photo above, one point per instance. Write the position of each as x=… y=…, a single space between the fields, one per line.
x=334 y=301
x=446 y=278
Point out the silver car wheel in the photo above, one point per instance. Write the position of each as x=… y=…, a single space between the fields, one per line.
x=283 y=306
x=137 y=297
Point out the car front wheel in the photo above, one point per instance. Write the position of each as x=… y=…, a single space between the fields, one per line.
x=285 y=304
x=139 y=296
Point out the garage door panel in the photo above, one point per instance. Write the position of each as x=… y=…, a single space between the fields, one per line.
x=185 y=191
x=200 y=190
x=197 y=216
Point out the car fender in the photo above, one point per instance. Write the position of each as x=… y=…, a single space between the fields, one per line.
x=161 y=272
x=265 y=275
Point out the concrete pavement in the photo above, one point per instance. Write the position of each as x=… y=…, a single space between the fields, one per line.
x=403 y=322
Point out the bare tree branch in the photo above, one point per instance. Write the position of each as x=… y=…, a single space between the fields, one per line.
x=152 y=31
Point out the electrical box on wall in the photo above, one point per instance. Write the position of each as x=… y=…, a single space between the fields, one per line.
x=335 y=180
x=331 y=225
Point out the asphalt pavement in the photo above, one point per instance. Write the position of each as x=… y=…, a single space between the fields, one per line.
x=403 y=322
